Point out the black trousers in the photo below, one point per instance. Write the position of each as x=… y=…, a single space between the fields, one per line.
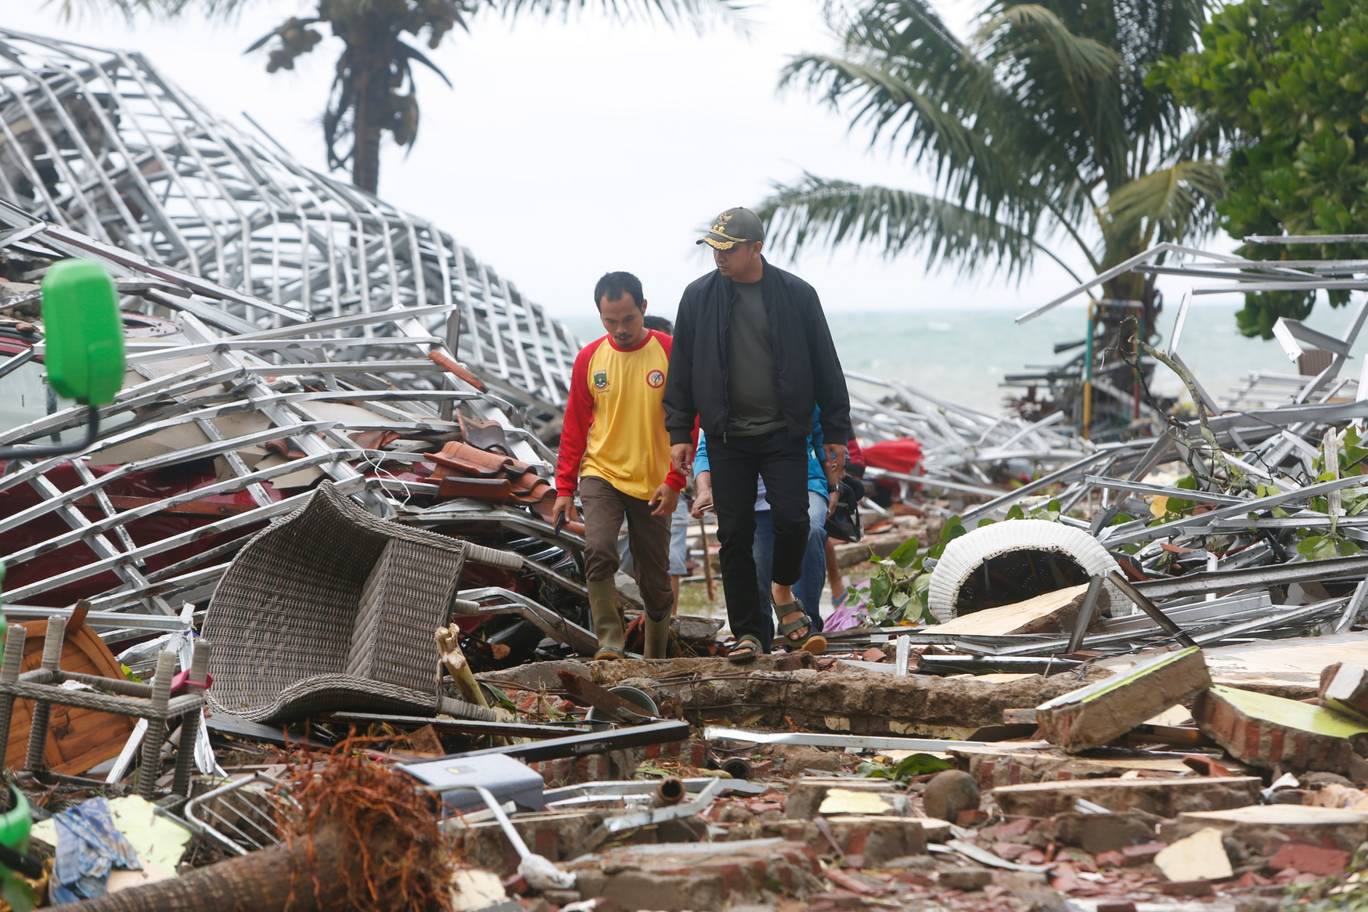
x=781 y=460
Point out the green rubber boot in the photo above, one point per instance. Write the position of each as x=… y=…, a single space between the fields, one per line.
x=657 y=637
x=607 y=617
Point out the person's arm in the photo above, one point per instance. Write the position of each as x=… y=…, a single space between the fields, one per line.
x=856 y=454
x=828 y=378
x=579 y=415
x=701 y=463
x=680 y=410
x=703 y=497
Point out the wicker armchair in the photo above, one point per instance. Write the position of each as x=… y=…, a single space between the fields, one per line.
x=332 y=608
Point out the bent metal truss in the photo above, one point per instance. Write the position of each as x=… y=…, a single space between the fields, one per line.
x=99 y=141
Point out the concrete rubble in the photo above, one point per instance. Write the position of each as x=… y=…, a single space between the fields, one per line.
x=1121 y=674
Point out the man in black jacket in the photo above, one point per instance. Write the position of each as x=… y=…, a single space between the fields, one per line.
x=752 y=355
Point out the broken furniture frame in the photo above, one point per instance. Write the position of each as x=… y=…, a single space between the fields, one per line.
x=239 y=815
x=152 y=702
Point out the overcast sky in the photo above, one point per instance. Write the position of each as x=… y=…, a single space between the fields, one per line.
x=566 y=150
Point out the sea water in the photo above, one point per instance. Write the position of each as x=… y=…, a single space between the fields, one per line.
x=963 y=354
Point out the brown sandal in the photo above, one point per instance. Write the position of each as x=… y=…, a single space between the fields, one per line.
x=746 y=649
x=804 y=639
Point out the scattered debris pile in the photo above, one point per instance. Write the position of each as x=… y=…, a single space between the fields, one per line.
x=294 y=631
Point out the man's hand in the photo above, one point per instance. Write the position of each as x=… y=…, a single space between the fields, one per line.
x=681 y=458
x=564 y=510
x=832 y=500
x=703 y=496
x=835 y=457
x=664 y=500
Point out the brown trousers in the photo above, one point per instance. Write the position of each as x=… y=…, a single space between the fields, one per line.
x=648 y=538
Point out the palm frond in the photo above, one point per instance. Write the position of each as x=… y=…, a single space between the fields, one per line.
x=1167 y=204
x=895 y=111
x=1056 y=57
x=1205 y=137
x=1079 y=57
x=339 y=142
x=69 y=10
x=213 y=9
x=832 y=212
x=696 y=13
x=412 y=53
x=903 y=74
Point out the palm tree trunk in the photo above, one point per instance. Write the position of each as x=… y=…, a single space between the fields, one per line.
x=372 y=88
x=272 y=880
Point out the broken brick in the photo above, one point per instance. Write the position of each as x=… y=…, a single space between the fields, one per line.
x=1344 y=688
x=1263 y=829
x=807 y=794
x=1310 y=859
x=697 y=876
x=1003 y=766
x=554 y=834
x=1102 y=712
x=1102 y=832
x=1013 y=828
x=1274 y=732
x=1141 y=854
x=966 y=879
x=876 y=839
x=1166 y=797
x=1010 y=851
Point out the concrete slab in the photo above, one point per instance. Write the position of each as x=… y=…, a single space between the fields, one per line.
x=1201 y=856
x=1263 y=829
x=1165 y=797
x=678 y=877
x=805 y=797
x=1095 y=715
x=1344 y=688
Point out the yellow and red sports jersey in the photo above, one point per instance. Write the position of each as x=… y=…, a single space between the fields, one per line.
x=615 y=421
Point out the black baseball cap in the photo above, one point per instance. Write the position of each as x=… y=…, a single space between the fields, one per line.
x=735 y=226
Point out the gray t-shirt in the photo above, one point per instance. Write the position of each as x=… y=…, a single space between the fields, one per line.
x=751 y=383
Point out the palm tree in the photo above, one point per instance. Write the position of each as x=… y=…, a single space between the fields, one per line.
x=1040 y=135
x=373 y=91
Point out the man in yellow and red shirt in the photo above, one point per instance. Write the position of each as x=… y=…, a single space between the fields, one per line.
x=614 y=446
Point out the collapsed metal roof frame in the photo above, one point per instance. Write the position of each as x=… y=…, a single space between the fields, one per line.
x=284 y=376
x=100 y=142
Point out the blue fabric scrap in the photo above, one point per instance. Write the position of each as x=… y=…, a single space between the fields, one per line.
x=88 y=847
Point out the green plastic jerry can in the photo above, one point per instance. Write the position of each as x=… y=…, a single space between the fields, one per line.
x=82 y=332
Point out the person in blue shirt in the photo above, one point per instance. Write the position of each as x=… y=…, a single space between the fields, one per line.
x=810 y=584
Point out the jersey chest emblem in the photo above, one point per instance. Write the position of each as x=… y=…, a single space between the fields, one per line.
x=656 y=379
x=600 y=380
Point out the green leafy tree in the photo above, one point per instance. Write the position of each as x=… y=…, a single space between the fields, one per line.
x=1040 y=134
x=373 y=91
x=1284 y=80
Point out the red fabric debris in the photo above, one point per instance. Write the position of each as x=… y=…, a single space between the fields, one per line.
x=903 y=455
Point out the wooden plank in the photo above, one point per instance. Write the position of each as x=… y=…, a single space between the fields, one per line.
x=1050 y=612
